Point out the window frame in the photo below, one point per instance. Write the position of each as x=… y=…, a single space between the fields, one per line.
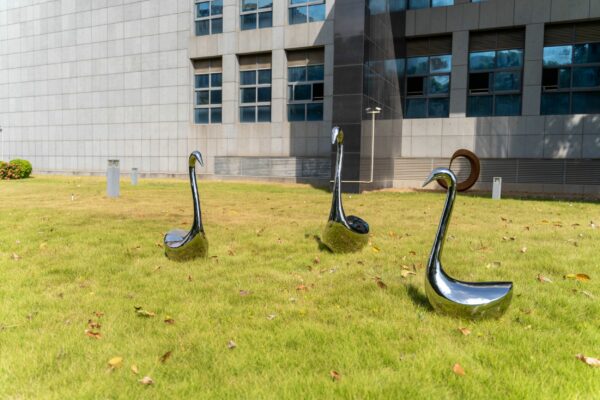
x=292 y=85
x=209 y=18
x=571 y=90
x=306 y=5
x=256 y=104
x=209 y=106
x=426 y=78
x=492 y=80
x=257 y=12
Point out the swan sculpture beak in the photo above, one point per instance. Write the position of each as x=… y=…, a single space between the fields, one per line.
x=342 y=234
x=448 y=295
x=179 y=244
x=337 y=135
x=444 y=174
x=196 y=156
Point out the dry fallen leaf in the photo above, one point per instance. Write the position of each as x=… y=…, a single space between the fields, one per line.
x=245 y=293
x=271 y=317
x=92 y=334
x=135 y=369
x=15 y=257
x=115 y=362
x=405 y=274
x=302 y=288
x=93 y=325
x=380 y=283
x=578 y=277
x=169 y=320
x=166 y=356
x=146 y=381
x=524 y=250
x=143 y=313
x=543 y=279
x=231 y=345
x=591 y=361
x=376 y=249
x=98 y=314
x=336 y=376
x=465 y=331
x=458 y=369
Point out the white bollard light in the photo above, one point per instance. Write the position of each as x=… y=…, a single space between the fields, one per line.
x=134 y=176
x=113 y=175
x=497 y=188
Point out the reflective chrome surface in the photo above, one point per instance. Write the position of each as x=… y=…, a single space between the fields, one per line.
x=448 y=295
x=181 y=245
x=343 y=234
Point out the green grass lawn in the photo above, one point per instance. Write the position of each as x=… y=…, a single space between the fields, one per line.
x=295 y=312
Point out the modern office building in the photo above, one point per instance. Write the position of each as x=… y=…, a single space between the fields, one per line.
x=256 y=86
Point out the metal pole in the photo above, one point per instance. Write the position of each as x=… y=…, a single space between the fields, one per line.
x=373 y=112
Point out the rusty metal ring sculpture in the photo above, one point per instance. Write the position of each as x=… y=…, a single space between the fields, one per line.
x=473 y=176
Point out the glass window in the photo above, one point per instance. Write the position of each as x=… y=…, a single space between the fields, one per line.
x=508 y=105
x=440 y=64
x=416 y=4
x=303 y=11
x=482 y=60
x=427 y=86
x=586 y=103
x=417 y=66
x=509 y=58
x=256 y=14
x=209 y=17
x=504 y=81
x=306 y=92
x=441 y=3
x=586 y=77
x=208 y=96
x=480 y=106
x=416 y=108
x=255 y=95
x=571 y=79
x=558 y=55
x=586 y=53
x=555 y=103
x=495 y=83
x=439 y=107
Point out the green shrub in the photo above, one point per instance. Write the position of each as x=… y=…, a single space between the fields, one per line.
x=24 y=166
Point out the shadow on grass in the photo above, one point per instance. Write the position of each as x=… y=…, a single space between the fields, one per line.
x=417 y=297
x=322 y=246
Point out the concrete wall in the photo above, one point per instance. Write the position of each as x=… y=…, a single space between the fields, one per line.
x=82 y=81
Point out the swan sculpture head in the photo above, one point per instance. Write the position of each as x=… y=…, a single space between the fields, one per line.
x=448 y=295
x=179 y=244
x=343 y=233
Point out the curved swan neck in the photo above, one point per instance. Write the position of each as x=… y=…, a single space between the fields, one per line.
x=197 y=225
x=337 y=210
x=440 y=236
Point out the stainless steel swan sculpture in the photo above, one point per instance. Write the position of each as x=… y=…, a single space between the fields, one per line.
x=342 y=234
x=448 y=295
x=179 y=244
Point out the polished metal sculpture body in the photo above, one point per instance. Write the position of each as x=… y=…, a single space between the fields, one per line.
x=179 y=244
x=342 y=234
x=448 y=295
